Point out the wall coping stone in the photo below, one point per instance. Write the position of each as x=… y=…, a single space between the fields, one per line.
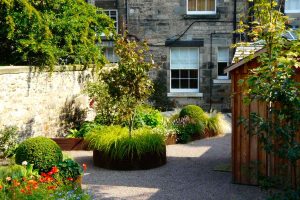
x=27 y=69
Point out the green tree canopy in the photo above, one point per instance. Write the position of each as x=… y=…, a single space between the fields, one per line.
x=129 y=81
x=51 y=32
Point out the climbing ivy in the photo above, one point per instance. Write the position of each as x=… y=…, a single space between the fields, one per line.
x=51 y=32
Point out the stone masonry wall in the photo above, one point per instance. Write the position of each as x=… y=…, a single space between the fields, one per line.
x=37 y=102
x=156 y=21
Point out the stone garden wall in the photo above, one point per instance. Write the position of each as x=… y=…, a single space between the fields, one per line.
x=40 y=103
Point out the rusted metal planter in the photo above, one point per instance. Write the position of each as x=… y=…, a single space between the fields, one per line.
x=148 y=160
x=71 y=144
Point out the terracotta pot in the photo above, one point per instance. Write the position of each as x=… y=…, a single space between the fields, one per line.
x=71 y=144
x=146 y=161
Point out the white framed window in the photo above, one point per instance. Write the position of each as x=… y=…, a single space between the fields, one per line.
x=113 y=14
x=223 y=62
x=184 y=65
x=198 y=7
x=111 y=55
x=292 y=6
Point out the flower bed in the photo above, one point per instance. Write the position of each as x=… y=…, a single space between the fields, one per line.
x=41 y=172
x=192 y=123
x=22 y=182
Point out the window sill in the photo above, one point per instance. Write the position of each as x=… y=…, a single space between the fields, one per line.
x=222 y=81
x=296 y=11
x=202 y=16
x=185 y=94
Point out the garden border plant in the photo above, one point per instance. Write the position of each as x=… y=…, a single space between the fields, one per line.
x=42 y=152
x=192 y=123
x=115 y=149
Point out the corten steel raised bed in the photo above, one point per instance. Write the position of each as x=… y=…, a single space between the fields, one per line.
x=71 y=144
x=171 y=139
x=146 y=161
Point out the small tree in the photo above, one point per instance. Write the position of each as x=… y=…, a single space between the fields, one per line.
x=129 y=82
x=47 y=33
x=272 y=82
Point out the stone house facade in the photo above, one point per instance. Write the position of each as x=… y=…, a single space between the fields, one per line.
x=190 y=41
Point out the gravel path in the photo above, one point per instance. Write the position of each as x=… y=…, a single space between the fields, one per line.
x=189 y=174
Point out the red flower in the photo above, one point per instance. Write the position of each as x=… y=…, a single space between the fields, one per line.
x=43 y=174
x=84 y=166
x=55 y=169
x=70 y=179
x=51 y=187
x=32 y=182
x=1 y=187
x=46 y=179
x=50 y=173
x=23 y=190
x=16 y=183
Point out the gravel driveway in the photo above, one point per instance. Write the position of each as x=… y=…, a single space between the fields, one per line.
x=188 y=174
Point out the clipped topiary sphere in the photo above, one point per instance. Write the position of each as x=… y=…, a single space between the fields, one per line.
x=194 y=112
x=42 y=152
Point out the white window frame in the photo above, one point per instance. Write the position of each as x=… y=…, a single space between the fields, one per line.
x=226 y=77
x=200 y=12
x=115 y=58
x=287 y=11
x=109 y=14
x=187 y=90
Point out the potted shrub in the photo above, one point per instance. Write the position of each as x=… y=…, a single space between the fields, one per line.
x=114 y=148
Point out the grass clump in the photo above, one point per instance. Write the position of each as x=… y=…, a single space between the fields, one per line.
x=116 y=142
x=216 y=123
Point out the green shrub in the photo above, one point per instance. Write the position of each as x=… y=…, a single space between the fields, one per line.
x=8 y=141
x=147 y=116
x=194 y=112
x=186 y=127
x=42 y=152
x=191 y=120
x=69 y=169
x=84 y=129
x=116 y=142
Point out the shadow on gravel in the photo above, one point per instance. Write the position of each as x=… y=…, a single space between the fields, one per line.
x=188 y=174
